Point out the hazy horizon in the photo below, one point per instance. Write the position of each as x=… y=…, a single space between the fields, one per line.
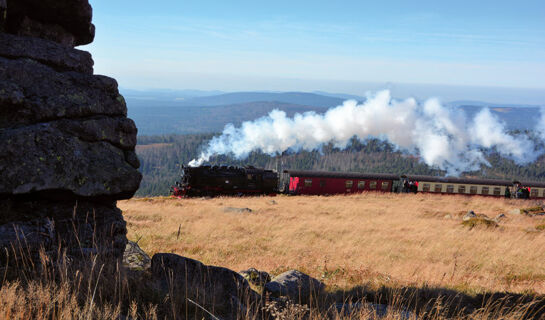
x=425 y=49
x=497 y=95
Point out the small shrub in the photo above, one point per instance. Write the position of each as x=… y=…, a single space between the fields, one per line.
x=540 y=227
x=531 y=210
x=480 y=222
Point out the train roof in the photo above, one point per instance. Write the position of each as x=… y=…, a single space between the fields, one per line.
x=493 y=182
x=532 y=184
x=458 y=180
x=342 y=175
x=386 y=176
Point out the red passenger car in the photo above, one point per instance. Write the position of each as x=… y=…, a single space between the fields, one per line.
x=322 y=183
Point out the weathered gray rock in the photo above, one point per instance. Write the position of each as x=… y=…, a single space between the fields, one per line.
x=36 y=29
x=500 y=217
x=236 y=210
x=119 y=131
x=350 y=310
x=58 y=57
x=469 y=215
x=3 y=14
x=76 y=226
x=221 y=291
x=296 y=285
x=256 y=277
x=31 y=92
x=135 y=258
x=42 y=158
x=67 y=148
x=46 y=19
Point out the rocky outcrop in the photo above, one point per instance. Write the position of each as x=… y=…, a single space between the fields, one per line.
x=220 y=291
x=256 y=277
x=67 y=152
x=81 y=226
x=135 y=258
x=64 y=21
x=237 y=210
x=297 y=286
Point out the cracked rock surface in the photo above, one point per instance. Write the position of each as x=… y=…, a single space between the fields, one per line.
x=67 y=146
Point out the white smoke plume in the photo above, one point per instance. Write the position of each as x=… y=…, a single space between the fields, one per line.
x=442 y=137
x=541 y=125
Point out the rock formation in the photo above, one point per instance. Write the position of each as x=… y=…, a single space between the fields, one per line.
x=67 y=146
x=218 y=290
x=297 y=286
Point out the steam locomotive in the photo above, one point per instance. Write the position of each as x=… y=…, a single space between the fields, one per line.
x=225 y=180
x=229 y=180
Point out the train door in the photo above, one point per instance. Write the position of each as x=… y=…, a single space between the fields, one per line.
x=284 y=182
x=348 y=184
x=323 y=186
x=252 y=181
x=397 y=185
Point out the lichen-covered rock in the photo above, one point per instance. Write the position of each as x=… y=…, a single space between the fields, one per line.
x=297 y=286
x=500 y=217
x=49 y=160
x=58 y=57
x=67 y=151
x=3 y=14
x=237 y=210
x=135 y=258
x=33 y=28
x=221 y=291
x=256 y=277
x=76 y=226
x=65 y=21
x=469 y=215
x=31 y=92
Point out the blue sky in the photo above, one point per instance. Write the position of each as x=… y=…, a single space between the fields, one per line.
x=312 y=45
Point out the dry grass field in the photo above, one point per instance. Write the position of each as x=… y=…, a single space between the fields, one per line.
x=369 y=239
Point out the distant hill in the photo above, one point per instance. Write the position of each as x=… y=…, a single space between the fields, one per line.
x=147 y=97
x=301 y=98
x=168 y=119
x=191 y=111
x=524 y=118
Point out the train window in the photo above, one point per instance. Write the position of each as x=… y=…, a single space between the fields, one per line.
x=426 y=187
x=385 y=185
x=484 y=190
x=534 y=193
x=438 y=188
x=461 y=189
x=308 y=182
x=372 y=185
x=361 y=184
x=450 y=188
x=473 y=189
x=497 y=191
x=322 y=183
x=349 y=184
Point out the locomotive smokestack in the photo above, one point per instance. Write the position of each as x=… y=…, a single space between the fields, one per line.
x=443 y=138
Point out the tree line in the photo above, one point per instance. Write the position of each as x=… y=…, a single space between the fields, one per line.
x=161 y=158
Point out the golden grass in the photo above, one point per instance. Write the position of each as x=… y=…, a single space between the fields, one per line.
x=367 y=239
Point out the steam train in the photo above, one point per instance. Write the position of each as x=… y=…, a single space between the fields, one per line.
x=229 y=180
x=225 y=180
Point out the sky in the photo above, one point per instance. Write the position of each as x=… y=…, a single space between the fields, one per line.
x=336 y=46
